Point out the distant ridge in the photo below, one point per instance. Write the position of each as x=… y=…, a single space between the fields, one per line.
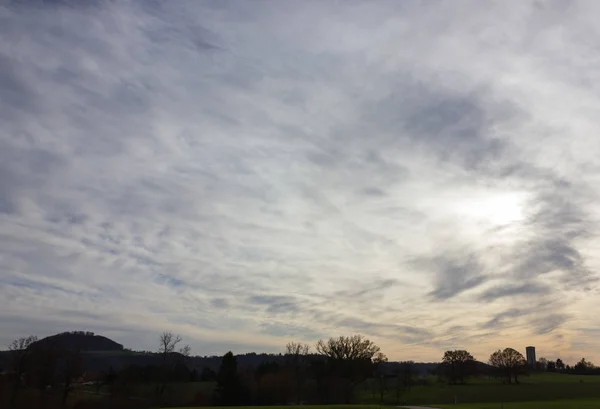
x=79 y=340
x=101 y=353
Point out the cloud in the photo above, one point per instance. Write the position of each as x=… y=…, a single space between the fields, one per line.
x=510 y=290
x=456 y=274
x=256 y=172
x=275 y=304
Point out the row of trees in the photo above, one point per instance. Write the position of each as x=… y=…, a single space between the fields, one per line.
x=41 y=366
x=458 y=365
x=582 y=367
x=330 y=374
x=509 y=364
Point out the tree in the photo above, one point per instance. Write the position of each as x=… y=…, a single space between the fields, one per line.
x=296 y=355
x=45 y=359
x=378 y=360
x=20 y=353
x=405 y=374
x=560 y=365
x=228 y=383
x=70 y=370
x=458 y=365
x=541 y=364
x=351 y=348
x=510 y=362
x=167 y=344
x=551 y=367
x=350 y=359
x=185 y=351
x=583 y=366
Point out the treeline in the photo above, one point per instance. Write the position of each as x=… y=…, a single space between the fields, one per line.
x=582 y=367
x=330 y=375
x=46 y=375
x=49 y=375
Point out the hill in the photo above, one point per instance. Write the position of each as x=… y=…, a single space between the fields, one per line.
x=79 y=340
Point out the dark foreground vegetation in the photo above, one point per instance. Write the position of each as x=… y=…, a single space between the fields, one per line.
x=83 y=370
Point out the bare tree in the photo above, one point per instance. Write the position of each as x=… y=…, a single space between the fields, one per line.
x=296 y=350
x=350 y=358
x=168 y=342
x=458 y=364
x=296 y=353
x=510 y=362
x=20 y=352
x=378 y=360
x=185 y=350
x=167 y=345
x=343 y=348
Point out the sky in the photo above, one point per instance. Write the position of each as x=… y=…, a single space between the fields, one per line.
x=250 y=173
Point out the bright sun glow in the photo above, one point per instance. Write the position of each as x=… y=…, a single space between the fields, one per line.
x=498 y=209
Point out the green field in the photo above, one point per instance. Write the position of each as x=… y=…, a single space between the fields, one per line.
x=557 y=404
x=541 y=390
x=290 y=407
x=537 y=387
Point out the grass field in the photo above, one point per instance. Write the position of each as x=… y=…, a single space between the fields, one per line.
x=557 y=404
x=540 y=390
x=290 y=407
x=537 y=387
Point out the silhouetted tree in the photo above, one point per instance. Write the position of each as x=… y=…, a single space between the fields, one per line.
x=560 y=365
x=510 y=362
x=541 y=364
x=407 y=373
x=583 y=366
x=19 y=355
x=185 y=350
x=457 y=365
x=167 y=344
x=296 y=356
x=551 y=366
x=71 y=368
x=44 y=369
x=378 y=360
x=228 y=383
x=350 y=359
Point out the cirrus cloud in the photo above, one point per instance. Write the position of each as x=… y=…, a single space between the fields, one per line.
x=261 y=171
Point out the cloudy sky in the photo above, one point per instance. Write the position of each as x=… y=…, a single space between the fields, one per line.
x=247 y=173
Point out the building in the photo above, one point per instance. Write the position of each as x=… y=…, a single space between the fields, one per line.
x=531 y=360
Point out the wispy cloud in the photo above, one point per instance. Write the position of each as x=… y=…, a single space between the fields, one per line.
x=425 y=174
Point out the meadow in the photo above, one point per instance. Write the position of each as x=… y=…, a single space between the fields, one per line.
x=557 y=404
x=538 y=391
x=535 y=388
x=289 y=407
